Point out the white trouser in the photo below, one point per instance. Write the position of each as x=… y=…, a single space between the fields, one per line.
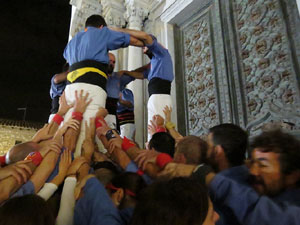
x=111 y=121
x=156 y=105
x=128 y=130
x=98 y=96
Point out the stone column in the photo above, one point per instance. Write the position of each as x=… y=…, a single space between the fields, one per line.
x=136 y=12
x=113 y=13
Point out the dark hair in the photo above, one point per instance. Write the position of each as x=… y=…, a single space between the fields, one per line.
x=95 y=21
x=163 y=142
x=129 y=181
x=105 y=171
x=177 y=201
x=282 y=143
x=193 y=148
x=234 y=141
x=26 y=210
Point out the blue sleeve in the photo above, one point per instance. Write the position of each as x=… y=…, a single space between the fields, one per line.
x=249 y=207
x=117 y=40
x=95 y=207
x=156 y=48
x=127 y=95
x=124 y=80
x=132 y=167
x=26 y=189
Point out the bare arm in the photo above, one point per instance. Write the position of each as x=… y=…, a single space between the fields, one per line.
x=136 y=42
x=60 y=77
x=136 y=75
x=140 y=35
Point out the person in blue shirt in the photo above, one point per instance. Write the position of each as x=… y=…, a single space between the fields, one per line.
x=58 y=85
x=159 y=73
x=125 y=113
x=115 y=84
x=87 y=54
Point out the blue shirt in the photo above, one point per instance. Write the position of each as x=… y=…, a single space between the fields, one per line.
x=132 y=167
x=116 y=83
x=127 y=95
x=250 y=208
x=57 y=89
x=96 y=207
x=25 y=189
x=94 y=44
x=161 y=65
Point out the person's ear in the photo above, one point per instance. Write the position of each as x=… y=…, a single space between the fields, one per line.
x=117 y=196
x=219 y=151
x=101 y=27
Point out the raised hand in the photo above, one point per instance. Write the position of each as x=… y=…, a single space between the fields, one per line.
x=63 y=105
x=20 y=171
x=65 y=162
x=158 y=121
x=75 y=165
x=42 y=134
x=81 y=101
x=102 y=112
x=54 y=146
x=167 y=111
x=145 y=157
x=115 y=143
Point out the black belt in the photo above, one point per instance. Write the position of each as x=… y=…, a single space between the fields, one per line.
x=159 y=86
x=97 y=75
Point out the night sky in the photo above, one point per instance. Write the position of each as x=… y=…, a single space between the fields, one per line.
x=33 y=36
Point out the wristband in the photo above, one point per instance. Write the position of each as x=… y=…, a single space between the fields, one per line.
x=77 y=116
x=160 y=129
x=127 y=144
x=170 y=125
x=140 y=172
x=58 y=119
x=97 y=122
x=2 y=160
x=35 y=157
x=163 y=159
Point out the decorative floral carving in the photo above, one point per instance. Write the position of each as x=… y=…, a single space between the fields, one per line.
x=267 y=66
x=202 y=108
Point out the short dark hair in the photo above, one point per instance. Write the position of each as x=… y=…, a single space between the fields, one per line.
x=129 y=181
x=286 y=145
x=163 y=142
x=18 y=211
x=233 y=139
x=95 y=21
x=177 y=201
x=193 y=148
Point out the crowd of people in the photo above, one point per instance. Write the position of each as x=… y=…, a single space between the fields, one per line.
x=84 y=167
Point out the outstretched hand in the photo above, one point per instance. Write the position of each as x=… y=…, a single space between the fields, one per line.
x=81 y=101
x=71 y=123
x=167 y=111
x=42 y=134
x=54 y=146
x=146 y=156
x=63 y=105
x=20 y=171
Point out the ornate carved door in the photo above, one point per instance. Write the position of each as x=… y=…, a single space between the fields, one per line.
x=239 y=63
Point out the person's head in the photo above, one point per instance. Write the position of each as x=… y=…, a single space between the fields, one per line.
x=112 y=62
x=20 y=151
x=162 y=142
x=177 y=201
x=95 y=21
x=147 y=52
x=124 y=188
x=227 y=145
x=26 y=210
x=275 y=163
x=105 y=171
x=191 y=150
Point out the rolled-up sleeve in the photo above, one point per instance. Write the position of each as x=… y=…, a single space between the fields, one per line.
x=118 y=40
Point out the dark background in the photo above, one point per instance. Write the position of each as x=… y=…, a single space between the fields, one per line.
x=33 y=35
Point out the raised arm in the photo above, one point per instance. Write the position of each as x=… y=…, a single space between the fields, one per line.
x=140 y=35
